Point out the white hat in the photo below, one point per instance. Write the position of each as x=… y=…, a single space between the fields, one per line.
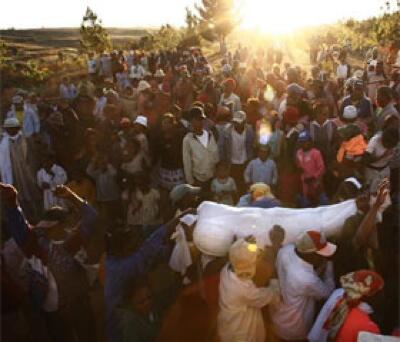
x=358 y=74
x=11 y=123
x=159 y=73
x=239 y=116
x=242 y=65
x=17 y=99
x=315 y=242
x=141 y=120
x=350 y=112
x=143 y=85
x=353 y=181
x=243 y=258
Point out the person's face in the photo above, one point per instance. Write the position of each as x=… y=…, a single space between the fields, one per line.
x=381 y=100
x=198 y=125
x=239 y=126
x=263 y=154
x=189 y=201
x=48 y=164
x=322 y=116
x=222 y=172
x=12 y=131
x=306 y=145
x=379 y=68
x=142 y=301
x=358 y=93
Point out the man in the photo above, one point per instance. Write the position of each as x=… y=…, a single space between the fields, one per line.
x=137 y=71
x=200 y=152
x=240 y=301
x=236 y=147
x=305 y=276
x=126 y=262
x=358 y=99
x=16 y=166
x=384 y=100
x=183 y=197
x=28 y=117
x=64 y=302
x=228 y=97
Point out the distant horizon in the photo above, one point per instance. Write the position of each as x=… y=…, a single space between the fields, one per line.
x=278 y=15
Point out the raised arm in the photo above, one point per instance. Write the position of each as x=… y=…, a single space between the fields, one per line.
x=17 y=226
x=368 y=224
x=87 y=223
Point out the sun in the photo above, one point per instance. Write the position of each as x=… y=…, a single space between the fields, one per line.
x=277 y=17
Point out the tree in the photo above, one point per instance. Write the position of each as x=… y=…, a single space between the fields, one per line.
x=94 y=38
x=191 y=36
x=166 y=38
x=216 y=19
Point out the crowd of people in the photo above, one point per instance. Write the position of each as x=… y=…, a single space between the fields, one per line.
x=100 y=186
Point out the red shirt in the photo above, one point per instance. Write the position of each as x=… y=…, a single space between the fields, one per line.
x=356 y=321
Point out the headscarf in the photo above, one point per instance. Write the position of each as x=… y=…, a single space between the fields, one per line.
x=356 y=286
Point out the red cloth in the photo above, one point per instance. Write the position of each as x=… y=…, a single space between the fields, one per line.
x=356 y=321
x=291 y=115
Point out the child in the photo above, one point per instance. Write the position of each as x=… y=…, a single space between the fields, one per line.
x=132 y=158
x=223 y=186
x=311 y=164
x=144 y=207
x=140 y=128
x=259 y=196
x=48 y=177
x=262 y=169
x=107 y=190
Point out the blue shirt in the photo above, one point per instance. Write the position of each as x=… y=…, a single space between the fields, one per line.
x=259 y=171
x=120 y=271
x=31 y=123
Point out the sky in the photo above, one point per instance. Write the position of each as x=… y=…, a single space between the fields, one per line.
x=276 y=16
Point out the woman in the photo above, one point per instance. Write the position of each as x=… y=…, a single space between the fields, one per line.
x=346 y=313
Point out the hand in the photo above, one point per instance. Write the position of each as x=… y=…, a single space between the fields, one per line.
x=250 y=239
x=9 y=194
x=383 y=190
x=192 y=211
x=62 y=191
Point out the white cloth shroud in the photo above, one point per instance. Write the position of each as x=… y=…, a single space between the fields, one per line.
x=180 y=258
x=217 y=224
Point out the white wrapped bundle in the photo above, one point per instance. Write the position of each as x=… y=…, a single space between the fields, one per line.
x=218 y=224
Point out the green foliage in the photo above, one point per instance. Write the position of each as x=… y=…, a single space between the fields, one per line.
x=362 y=34
x=216 y=19
x=191 y=35
x=94 y=38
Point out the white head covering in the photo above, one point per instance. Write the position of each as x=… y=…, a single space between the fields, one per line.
x=143 y=85
x=350 y=112
x=141 y=120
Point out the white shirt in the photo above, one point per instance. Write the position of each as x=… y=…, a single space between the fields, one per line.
x=341 y=71
x=238 y=148
x=99 y=107
x=92 y=66
x=137 y=71
x=240 y=302
x=376 y=148
x=232 y=98
x=203 y=138
x=59 y=178
x=300 y=288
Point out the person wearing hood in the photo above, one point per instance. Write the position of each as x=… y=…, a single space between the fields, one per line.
x=240 y=301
